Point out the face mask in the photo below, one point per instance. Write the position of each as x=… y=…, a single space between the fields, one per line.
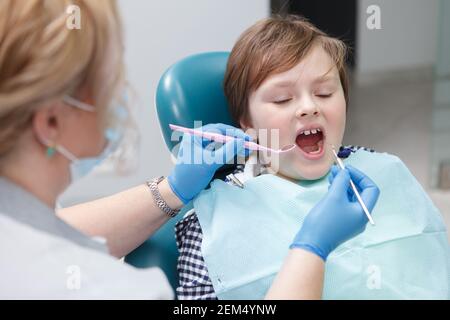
x=81 y=167
x=113 y=134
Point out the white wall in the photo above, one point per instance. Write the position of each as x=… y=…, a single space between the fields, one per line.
x=158 y=33
x=407 y=38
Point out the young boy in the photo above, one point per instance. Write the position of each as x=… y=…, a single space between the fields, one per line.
x=284 y=74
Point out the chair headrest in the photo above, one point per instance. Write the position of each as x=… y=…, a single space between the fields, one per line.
x=191 y=90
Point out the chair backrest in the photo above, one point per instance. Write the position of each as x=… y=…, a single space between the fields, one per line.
x=190 y=90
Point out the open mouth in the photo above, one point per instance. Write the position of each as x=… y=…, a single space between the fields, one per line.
x=311 y=142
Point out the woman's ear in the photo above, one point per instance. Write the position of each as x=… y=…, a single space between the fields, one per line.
x=46 y=123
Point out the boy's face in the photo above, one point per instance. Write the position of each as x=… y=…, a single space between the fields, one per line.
x=307 y=97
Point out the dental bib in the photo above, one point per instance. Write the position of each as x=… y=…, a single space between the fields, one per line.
x=247 y=233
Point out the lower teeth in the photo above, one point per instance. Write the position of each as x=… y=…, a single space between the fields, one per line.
x=311 y=149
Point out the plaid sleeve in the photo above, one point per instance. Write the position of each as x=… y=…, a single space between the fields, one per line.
x=195 y=283
x=346 y=151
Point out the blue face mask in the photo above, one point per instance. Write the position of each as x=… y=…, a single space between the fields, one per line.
x=82 y=167
x=113 y=135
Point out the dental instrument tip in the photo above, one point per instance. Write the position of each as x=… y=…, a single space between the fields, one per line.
x=355 y=190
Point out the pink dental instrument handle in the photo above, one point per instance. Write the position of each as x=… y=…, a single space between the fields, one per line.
x=223 y=139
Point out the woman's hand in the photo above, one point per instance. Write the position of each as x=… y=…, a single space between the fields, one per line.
x=338 y=216
x=197 y=161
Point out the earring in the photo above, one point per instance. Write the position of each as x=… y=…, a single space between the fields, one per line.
x=51 y=150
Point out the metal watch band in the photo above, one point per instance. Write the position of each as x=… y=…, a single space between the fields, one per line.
x=159 y=201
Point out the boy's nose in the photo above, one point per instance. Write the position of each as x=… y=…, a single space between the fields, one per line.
x=306 y=110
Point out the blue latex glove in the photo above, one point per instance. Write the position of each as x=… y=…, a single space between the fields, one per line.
x=338 y=217
x=189 y=177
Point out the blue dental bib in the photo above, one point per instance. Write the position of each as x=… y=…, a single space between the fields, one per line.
x=247 y=233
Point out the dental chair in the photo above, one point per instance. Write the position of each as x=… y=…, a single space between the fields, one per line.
x=190 y=90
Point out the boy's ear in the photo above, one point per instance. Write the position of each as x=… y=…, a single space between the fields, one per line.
x=247 y=127
x=245 y=124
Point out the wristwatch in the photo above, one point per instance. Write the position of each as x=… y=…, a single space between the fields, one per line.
x=159 y=201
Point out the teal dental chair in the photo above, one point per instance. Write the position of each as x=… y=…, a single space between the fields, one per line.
x=190 y=90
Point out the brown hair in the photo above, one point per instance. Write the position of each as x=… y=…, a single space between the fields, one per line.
x=41 y=60
x=274 y=45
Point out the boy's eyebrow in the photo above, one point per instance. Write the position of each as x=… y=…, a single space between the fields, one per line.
x=325 y=77
x=282 y=83
x=288 y=83
x=329 y=75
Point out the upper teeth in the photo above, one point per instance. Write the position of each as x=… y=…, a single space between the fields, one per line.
x=308 y=132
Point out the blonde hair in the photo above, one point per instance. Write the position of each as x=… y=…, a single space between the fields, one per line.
x=274 y=45
x=41 y=59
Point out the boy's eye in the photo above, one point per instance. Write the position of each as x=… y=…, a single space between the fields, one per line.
x=324 y=95
x=281 y=101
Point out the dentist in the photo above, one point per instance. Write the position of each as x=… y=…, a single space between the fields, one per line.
x=58 y=119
